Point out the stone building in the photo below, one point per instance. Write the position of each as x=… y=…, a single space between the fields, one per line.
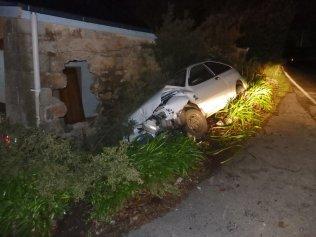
x=51 y=63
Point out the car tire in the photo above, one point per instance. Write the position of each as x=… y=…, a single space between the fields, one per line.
x=240 y=89
x=195 y=123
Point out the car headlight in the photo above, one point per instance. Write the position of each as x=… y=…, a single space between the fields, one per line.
x=150 y=126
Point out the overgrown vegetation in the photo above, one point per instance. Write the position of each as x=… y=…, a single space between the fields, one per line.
x=41 y=175
x=152 y=167
x=244 y=116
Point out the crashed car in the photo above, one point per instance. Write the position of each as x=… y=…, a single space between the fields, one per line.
x=194 y=94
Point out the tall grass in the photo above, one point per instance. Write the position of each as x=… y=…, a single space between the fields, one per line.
x=245 y=114
x=163 y=159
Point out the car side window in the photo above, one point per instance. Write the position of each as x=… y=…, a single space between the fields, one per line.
x=217 y=68
x=199 y=74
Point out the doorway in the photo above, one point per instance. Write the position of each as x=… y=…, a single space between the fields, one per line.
x=71 y=96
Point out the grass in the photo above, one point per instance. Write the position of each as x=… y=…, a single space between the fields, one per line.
x=246 y=114
x=163 y=159
x=26 y=212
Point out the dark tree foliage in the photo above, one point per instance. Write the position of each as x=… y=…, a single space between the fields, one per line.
x=265 y=28
x=178 y=43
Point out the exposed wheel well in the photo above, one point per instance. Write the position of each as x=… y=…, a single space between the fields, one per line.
x=240 y=87
x=239 y=83
x=191 y=106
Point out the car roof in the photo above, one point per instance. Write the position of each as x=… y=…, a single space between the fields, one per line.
x=213 y=61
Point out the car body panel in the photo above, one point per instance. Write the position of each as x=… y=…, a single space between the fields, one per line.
x=209 y=96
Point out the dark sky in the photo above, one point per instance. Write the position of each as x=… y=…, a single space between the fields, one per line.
x=148 y=13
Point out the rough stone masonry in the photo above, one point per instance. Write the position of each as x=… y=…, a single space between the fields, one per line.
x=59 y=45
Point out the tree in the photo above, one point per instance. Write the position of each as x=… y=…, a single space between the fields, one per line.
x=265 y=28
x=178 y=43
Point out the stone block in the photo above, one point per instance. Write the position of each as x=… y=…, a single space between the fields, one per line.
x=57 y=63
x=53 y=80
x=45 y=96
x=312 y=110
x=51 y=107
x=56 y=110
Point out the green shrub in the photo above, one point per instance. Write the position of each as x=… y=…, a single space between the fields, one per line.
x=40 y=175
x=24 y=211
x=151 y=167
x=116 y=181
x=163 y=159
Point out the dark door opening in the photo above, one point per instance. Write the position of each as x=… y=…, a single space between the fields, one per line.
x=2 y=81
x=71 y=96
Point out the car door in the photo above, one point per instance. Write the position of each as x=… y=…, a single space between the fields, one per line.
x=226 y=74
x=207 y=88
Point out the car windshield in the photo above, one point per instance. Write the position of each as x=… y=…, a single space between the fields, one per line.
x=178 y=79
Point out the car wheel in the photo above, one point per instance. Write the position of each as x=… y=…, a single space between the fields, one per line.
x=195 y=123
x=240 y=89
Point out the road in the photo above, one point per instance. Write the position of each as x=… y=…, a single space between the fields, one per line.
x=304 y=77
x=269 y=187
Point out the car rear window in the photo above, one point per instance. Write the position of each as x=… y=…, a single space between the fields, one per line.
x=217 y=68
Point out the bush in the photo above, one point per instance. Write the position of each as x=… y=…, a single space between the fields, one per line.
x=179 y=43
x=24 y=210
x=40 y=175
x=116 y=181
x=152 y=167
x=163 y=159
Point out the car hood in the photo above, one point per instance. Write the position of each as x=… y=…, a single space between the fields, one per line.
x=162 y=96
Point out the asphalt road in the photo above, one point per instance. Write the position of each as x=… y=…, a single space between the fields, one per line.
x=305 y=77
x=269 y=188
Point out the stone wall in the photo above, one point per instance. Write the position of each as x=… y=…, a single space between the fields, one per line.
x=59 y=45
x=18 y=67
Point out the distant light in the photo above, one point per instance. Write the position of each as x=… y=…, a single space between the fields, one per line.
x=292 y=59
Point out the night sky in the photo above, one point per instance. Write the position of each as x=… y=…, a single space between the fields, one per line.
x=149 y=12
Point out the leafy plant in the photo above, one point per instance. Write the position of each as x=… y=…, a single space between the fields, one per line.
x=40 y=175
x=117 y=179
x=244 y=115
x=24 y=211
x=152 y=167
x=163 y=159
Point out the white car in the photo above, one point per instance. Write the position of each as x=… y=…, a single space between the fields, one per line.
x=193 y=95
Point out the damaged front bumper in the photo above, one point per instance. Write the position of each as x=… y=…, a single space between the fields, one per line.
x=161 y=112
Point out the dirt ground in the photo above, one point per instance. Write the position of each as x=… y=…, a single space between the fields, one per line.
x=268 y=189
